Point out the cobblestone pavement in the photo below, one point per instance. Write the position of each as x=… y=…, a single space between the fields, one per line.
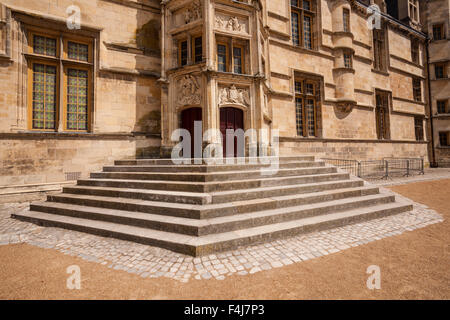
x=152 y=262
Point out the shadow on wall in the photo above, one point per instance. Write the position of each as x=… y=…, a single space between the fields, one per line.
x=148 y=64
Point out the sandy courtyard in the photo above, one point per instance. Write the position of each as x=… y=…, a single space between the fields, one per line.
x=414 y=265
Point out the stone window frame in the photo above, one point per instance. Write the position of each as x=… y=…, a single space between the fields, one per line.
x=413 y=10
x=417 y=89
x=438 y=34
x=379 y=48
x=415 y=50
x=382 y=112
x=194 y=49
x=444 y=136
x=230 y=43
x=346 y=26
x=347 y=55
x=62 y=62
x=301 y=12
x=445 y=106
x=306 y=79
x=418 y=128
x=442 y=65
x=181 y=51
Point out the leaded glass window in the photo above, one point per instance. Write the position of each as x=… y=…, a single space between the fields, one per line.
x=44 y=97
x=77 y=99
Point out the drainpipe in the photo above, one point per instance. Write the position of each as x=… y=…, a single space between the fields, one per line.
x=433 y=163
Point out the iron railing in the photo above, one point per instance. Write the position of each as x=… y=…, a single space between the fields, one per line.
x=385 y=168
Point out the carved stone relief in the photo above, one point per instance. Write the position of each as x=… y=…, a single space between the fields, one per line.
x=193 y=12
x=188 y=91
x=233 y=95
x=230 y=23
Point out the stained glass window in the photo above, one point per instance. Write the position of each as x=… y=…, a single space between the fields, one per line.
x=77 y=99
x=44 y=97
x=78 y=51
x=45 y=46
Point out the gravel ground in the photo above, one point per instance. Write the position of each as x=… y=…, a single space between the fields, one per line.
x=330 y=264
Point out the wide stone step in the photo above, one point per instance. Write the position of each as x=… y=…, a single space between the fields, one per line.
x=210 y=168
x=207 y=198
x=213 y=176
x=144 y=194
x=202 y=161
x=211 y=210
x=201 y=245
x=213 y=225
x=187 y=186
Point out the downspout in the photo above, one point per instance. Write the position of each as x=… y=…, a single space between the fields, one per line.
x=433 y=163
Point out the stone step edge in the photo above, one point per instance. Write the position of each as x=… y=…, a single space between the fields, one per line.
x=197 y=246
x=208 y=226
x=200 y=211
x=205 y=198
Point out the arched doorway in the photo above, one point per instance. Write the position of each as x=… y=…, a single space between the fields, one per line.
x=230 y=118
x=188 y=117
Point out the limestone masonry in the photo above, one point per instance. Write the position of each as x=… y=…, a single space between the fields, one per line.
x=335 y=77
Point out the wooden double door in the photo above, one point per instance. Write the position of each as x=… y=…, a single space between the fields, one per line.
x=188 y=118
x=230 y=118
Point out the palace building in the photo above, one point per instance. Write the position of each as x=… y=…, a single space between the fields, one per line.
x=334 y=77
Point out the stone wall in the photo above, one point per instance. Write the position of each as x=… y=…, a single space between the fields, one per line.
x=45 y=158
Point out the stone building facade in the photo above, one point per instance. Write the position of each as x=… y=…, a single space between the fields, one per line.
x=132 y=71
x=436 y=17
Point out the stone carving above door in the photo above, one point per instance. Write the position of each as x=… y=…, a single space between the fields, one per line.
x=193 y=12
x=188 y=91
x=233 y=95
x=230 y=23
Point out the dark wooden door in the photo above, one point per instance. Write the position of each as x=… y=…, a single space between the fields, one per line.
x=188 y=117
x=230 y=118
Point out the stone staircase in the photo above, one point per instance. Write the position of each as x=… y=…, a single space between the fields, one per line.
x=200 y=209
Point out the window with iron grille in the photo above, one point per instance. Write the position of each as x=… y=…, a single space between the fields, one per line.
x=382 y=114
x=418 y=128
x=417 y=89
x=442 y=106
x=306 y=107
x=348 y=63
x=379 y=49
x=444 y=140
x=302 y=21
